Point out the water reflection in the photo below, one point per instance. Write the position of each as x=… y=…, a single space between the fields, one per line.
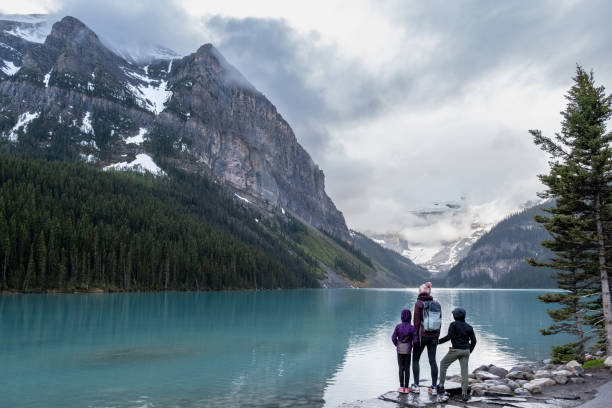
x=281 y=348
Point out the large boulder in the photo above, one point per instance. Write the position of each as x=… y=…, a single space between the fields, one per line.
x=564 y=373
x=572 y=364
x=478 y=389
x=498 y=371
x=542 y=382
x=543 y=374
x=532 y=388
x=608 y=361
x=560 y=379
x=512 y=384
x=482 y=368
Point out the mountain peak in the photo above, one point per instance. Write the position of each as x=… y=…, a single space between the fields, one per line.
x=71 y=28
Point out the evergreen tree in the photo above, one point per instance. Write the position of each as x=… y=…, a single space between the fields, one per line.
x=580 y=180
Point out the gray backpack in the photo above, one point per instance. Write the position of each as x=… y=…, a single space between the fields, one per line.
x=432 y=316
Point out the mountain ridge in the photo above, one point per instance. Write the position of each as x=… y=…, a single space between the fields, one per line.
x=220 y=123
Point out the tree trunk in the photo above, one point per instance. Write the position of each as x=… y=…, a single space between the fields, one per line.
x=605 y=286
x=579 y=331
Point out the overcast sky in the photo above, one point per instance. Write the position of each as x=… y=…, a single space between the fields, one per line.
x=401 y=103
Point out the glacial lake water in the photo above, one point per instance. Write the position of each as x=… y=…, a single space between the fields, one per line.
x=265 y=348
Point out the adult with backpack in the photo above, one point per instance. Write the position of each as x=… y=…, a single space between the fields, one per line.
x=427 y=321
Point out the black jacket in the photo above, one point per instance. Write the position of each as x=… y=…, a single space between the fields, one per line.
x=461 y=335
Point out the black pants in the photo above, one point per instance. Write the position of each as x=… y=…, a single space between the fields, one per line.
x=403 y=361
x=431 y=344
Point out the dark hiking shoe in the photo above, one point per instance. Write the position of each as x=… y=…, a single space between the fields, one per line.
x=440 y=389
x=465 y=397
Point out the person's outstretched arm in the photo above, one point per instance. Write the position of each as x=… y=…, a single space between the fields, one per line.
x=451 y=332
x=472 y=340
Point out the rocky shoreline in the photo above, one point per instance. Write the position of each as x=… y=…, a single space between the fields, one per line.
x=537 y=385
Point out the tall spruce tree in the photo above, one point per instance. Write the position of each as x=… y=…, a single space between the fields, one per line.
x=580 y=180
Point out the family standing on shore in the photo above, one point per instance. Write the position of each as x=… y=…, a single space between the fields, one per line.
x=411 y=340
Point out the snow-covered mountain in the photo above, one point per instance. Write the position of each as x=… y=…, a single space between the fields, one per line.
x=438 y=238
x=435 y=257
x=67 y=94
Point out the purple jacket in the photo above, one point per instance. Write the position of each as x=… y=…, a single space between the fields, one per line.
x=405 y=332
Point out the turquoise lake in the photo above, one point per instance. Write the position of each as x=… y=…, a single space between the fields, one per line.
x=264 y=348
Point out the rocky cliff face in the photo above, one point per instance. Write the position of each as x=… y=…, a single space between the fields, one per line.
x=71 y=97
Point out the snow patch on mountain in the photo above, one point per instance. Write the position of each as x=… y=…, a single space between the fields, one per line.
x=36 y=33
x=142 y=164
x=150 y=94
x=22 y=123
x=138 y=139
x=47 y=78
x=9 y=68
x=86 y=124
x=242 y=198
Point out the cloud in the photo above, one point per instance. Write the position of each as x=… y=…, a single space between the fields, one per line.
x=136 y=24
x=401 y=103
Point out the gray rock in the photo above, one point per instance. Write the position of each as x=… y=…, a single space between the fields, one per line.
x=512 y=384
x=522 y=392
x=572 y=364
x=478 y=391
x=521 y=367
x=547 y=361
x=564 y=373
x=481 y=368
x=522 y=382
x=484 y=375
x=489 y=383
x=543 y=374
x=577 y=371
x=608 y=361
x=498 y=371
x=500 y=388
x=560 y=379
x=518 y=375
x=577 y=380
x=532 y=388
x=542 y=382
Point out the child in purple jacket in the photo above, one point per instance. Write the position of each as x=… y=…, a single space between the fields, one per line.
x=403 y=337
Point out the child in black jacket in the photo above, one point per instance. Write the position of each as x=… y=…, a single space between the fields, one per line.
x=463 y=339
